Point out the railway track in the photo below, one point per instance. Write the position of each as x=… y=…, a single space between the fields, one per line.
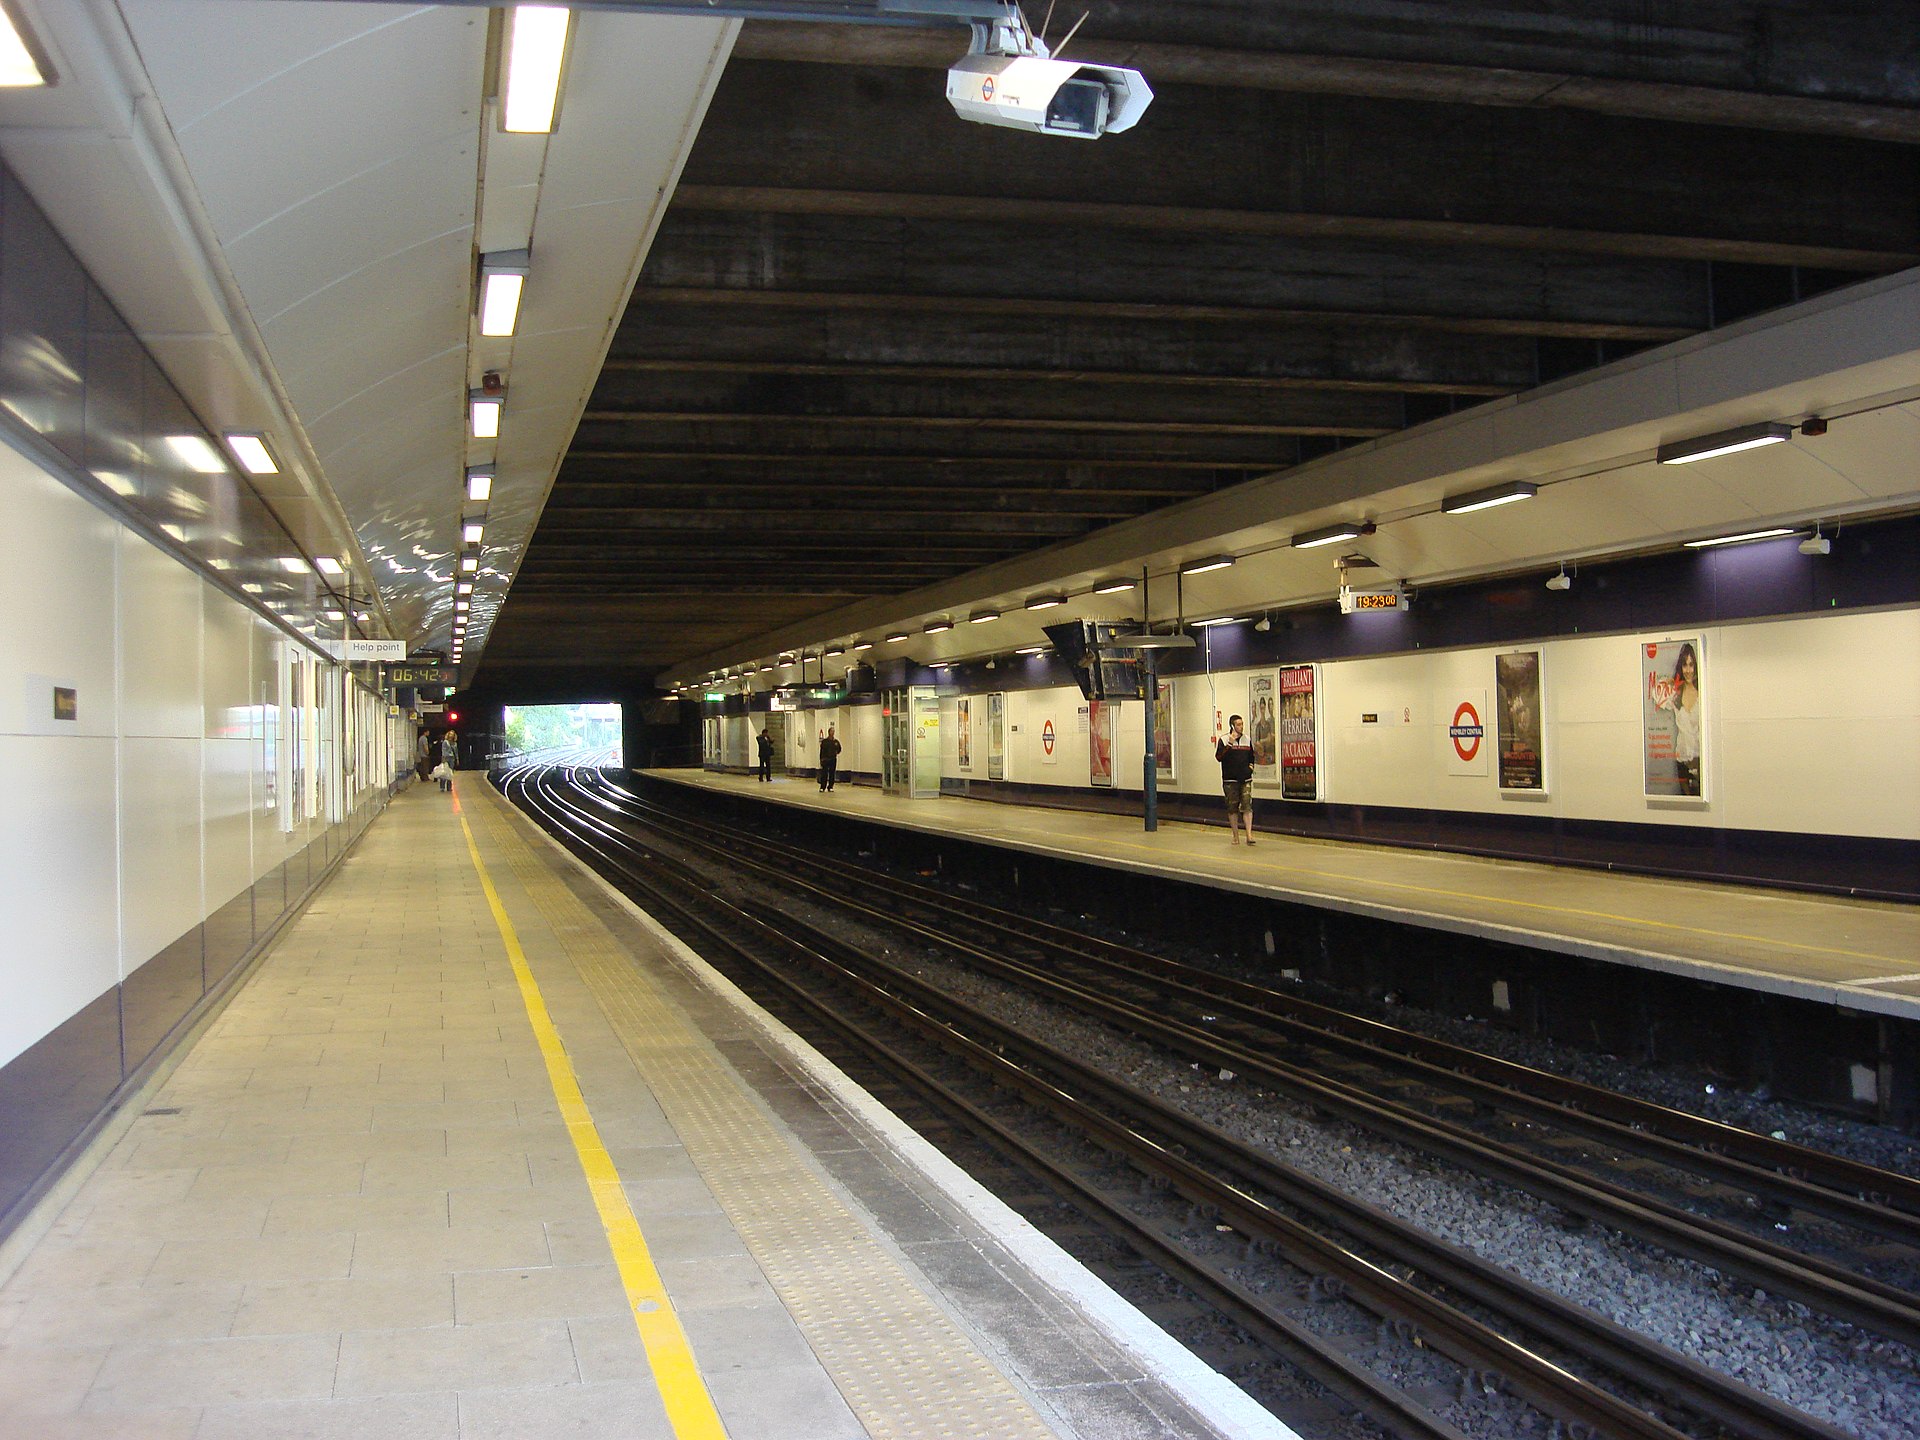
x=1415 y=1288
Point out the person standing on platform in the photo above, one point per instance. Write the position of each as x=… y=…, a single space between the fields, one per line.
x=422 y=752
x=1236 y=777
x=450 y=749
x=766 y=757
x=829 y=759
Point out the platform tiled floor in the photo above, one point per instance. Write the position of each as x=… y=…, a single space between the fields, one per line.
x=353 y=1209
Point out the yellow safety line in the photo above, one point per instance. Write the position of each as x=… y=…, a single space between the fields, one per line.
x=689 y=1407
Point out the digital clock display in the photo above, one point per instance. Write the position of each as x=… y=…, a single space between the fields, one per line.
x=1377 y=600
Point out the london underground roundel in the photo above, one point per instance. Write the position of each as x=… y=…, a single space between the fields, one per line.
x=1466 y=731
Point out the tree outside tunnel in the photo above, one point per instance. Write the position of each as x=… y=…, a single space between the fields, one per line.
x=589 y=734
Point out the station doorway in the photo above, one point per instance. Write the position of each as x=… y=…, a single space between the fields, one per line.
x=776 y=726
x=910 y=742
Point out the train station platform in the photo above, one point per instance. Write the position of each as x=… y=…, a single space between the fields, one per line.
x=1859 y=954
x=478 y=1150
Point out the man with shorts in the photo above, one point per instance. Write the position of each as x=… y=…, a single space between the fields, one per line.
x=1235 y=755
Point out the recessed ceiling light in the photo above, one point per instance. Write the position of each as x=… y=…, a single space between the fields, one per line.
x=327 y=565
x=483 y=415
x=294 y=565
x=536 y=49
x=1201 y=567
x=1723 y=442
x=469 y=563
x=252 y=453
x=1736 y=539
x=470 y=531
x=197 y=454
x=123 y=485
x=20 y=63
x=254 y=588
x=465 y=587
x=1486 y=499
x=479 y=483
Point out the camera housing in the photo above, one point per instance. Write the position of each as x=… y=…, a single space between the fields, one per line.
x=1046 y=96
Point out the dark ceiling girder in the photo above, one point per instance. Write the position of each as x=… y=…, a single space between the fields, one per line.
x=829 y=459
x=1466 y=82
x=1063 y=424
x=1195 y=220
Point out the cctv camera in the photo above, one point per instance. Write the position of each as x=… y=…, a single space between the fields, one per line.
x=1562 y=581
x=1263 y=625
x=1009 y=78
x=1816 y=545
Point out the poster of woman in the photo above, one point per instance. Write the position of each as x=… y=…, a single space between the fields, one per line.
x=1100 y=742
x=1299 y=748
x=1673 y=714
x=1522 y=761
x=996 y=737
x=1163 y=729
x=963 y=733
x=1262 y=727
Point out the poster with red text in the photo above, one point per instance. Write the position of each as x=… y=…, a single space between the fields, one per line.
x=1519 y=749
x=1299 y=734
x=1672 y=711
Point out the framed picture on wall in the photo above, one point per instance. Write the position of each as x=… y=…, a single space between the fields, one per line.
x=963 y=733
x=1163 y=729
x=1299 y=734
x=996 y=737
x=1263 y=726
x=1100 y=742
x=1518 y=723
x=1673 y=717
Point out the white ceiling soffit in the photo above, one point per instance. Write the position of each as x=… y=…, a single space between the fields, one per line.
x=334 y=154
x=1587 y=442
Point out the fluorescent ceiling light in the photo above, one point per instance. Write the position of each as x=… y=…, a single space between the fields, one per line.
x=766 y=669
x=936 y=627
x=327 y=565
x=503 y=274
x=1329 y=535
x=1486 y=499
x=19 y=61
x=1047 y=602
x=293 y=565
x=469 y=563
x=123 y=485
x=1031 y=650
x=470 y=531
x=835 y=650
x=896 y=637
x=981 y=617
x=1723 y=442
x=1736 y=539
x=1201 y=567
x=197 y=454
x=863 y=645
x=1114 y=587
x=1225 y=620
x=479 y=484
x=536 y=49
x=252 y=588
x=483 y=415
x=252 y=453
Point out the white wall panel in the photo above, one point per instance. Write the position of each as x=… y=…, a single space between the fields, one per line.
x=226 y=806
x=58 y=882
x=160 y=886
x=226 y=639
x=271 y=846
x=57 y=588
x=160 y=604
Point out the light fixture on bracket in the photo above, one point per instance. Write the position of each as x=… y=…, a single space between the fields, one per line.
x=1201 y=567
x=503 y=275
x=1723 y=442
x=1332 y=534
x=1502 y=494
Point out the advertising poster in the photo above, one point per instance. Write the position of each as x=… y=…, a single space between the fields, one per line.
x=1299 y=735
x=963 y=733
x=1263 y=726
x=996 y=737
x=1522 y=760
x=1100 y=741
x=1465 y=713
x=1672 y=711
x=1163 y=729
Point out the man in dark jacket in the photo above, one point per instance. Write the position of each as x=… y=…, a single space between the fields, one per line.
x=829 y=759
x=766 y=757
x=1236 y=777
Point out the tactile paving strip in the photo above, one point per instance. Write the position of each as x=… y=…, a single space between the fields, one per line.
x=904 y=1367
